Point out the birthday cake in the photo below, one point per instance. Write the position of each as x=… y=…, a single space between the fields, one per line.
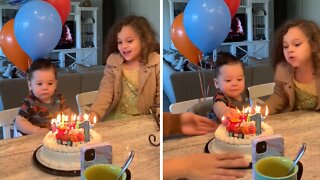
x=236 y=135
x=61 y=147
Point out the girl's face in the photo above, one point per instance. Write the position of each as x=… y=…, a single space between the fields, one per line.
x=296 y=47
x=231 y=80
x=129 y=44
x=43 y=84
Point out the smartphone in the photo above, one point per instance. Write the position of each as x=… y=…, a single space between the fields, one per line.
x=95 y=154
x=267 y=146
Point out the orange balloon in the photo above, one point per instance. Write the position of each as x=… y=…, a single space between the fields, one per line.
x=182 y=42
x=11 y=48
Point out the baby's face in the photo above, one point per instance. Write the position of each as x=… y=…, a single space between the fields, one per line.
x=43 y=84
x=231 y=80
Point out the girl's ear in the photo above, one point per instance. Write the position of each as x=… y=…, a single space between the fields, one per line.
x=216 y=83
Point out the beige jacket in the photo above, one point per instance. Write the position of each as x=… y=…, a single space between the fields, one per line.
x=283 y=97
x=110 y=86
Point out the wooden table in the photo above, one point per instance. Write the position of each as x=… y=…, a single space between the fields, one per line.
x=295 y=127
x=16 y=154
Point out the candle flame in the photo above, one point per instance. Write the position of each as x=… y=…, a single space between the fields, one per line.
x=94 y=119
x=59 y=118
x=267 y=111
x=86 y=117
x=257 y=109
x=53 y=121
x=248 y=109
x=223 y=118
x=74 y=117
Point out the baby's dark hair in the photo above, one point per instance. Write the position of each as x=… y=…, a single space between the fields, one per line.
x=41 y=64
x=225 y=59
x=144 y=30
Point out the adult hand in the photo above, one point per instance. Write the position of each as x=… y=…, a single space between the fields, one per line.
x=192 y=124
x=205 y=166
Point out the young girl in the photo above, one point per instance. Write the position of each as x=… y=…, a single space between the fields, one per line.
x=297 y=68
x=230 y=83
x=43 y=103
x=131 y=83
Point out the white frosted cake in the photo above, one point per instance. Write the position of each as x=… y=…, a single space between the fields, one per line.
x=64 y=155
x=223 y=135
x=225 y=141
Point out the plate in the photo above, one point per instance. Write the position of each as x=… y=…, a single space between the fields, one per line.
x=58 y=172
x=216 y=146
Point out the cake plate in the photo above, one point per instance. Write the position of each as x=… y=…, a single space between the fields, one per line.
x=216 y=146
x=58 y=172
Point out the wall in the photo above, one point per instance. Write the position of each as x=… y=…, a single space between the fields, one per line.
x=304 y=9
x=147 y=8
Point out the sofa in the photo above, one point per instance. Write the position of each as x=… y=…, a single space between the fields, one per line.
x=70 y=83
x=185 y=85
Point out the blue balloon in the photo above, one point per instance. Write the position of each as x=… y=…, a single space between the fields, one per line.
x=207 y=23
x=38 y=28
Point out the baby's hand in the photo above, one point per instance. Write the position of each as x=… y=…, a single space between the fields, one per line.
x=231 y=113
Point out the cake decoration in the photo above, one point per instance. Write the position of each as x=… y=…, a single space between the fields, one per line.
x=248 y=123
x=77 y=129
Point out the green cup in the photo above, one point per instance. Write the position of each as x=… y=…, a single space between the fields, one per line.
x=275 y=167
x=102 y=172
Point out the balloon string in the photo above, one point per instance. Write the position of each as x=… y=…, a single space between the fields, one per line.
x=200 y=77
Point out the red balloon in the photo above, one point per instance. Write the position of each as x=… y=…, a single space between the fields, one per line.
x=182 y=42
x=63 y=7
x=233 y=6
x=11 y=47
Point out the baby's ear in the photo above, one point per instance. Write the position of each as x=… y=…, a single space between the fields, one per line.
x=29 y=85
x=216 y=82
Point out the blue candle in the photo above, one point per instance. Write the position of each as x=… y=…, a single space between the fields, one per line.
x=86 y=127
x=258 y=119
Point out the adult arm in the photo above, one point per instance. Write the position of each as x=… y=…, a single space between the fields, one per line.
x=204 y=166
x=104 y=96
x=187 y=124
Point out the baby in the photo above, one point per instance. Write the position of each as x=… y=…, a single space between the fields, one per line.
x=43 y=103
x=230 y=83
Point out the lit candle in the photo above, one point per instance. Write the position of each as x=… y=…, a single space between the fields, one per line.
x=62 y=120
x=86 y=128
x=53 y=125
x=258 y=119
x=78 y=122
x=74 y=119
x=59 y=120
x=94 y=120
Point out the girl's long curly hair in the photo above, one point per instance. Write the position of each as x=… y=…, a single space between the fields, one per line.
x=144 y=30
x=311 y=31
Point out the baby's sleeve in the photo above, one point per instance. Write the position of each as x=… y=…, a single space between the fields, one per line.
x=220 y=97
x=26 y=109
